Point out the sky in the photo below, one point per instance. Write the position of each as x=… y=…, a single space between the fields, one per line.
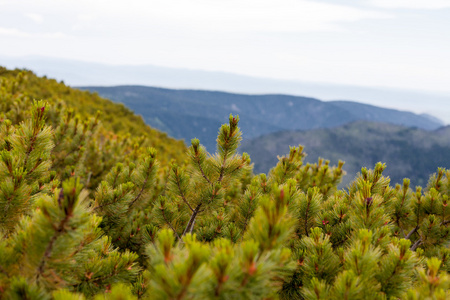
x=401 y=44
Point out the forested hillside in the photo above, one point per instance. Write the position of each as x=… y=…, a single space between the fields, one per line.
x=186 y=114
x=92 y=211
x=408 y=152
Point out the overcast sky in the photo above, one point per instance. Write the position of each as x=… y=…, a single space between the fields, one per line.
x=384 y=43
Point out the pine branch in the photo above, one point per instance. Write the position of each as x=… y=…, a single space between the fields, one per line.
x=99 y=280
x=113 y=185
x=166 y=183
x=73 y=150
x=401 y=229
x=170 y=224
x=227 y=148
x=61 y=161
x=63 y=132
x=124 y=192
x=444 y=222
x=408 y=236
x=239 y=167
x=247 y=219
x=38 y=163
x=306 y=219
x=48 y=251
x=197 y=161
x=139 y=195
x=397 y=265
x=8 y=205
x=222 y=168
x=143 y=186
x=182 y=194
x=191 y=223
x=416 y=244
x=30 y=148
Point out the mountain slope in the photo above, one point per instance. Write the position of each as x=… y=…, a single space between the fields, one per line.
x=115 y=118
x=186 y=114
x=377 y=114
x=408 y=152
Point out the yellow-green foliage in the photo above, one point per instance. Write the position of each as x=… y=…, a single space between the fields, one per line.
x=19 y=88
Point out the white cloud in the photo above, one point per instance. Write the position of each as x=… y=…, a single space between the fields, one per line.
x=411 y=4
x=14 y=32
x=209 y=15
x=35 y=17
x=258 y=15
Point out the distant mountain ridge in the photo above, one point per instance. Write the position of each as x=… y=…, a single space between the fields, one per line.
x=408 y=152
x=185 y=114
x=82 y=73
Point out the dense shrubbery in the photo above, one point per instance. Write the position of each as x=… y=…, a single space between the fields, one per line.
x=86 y=215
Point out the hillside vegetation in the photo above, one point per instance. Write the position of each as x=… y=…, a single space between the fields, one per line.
x=408 y=152
x=115 y=118
x=186 y=114
x=118 y=132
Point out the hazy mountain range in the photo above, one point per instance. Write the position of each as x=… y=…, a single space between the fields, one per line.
x=76 y=73
x=185 y=114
